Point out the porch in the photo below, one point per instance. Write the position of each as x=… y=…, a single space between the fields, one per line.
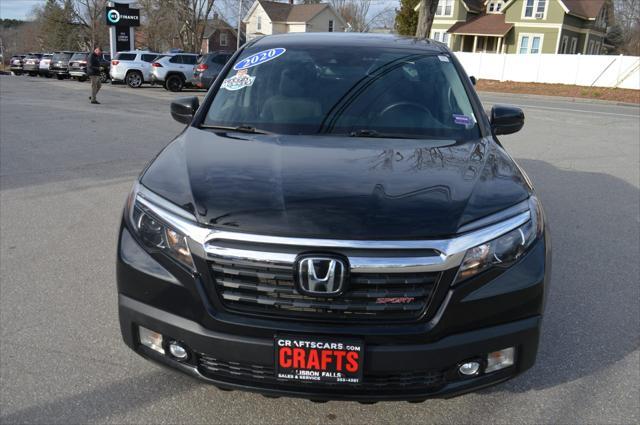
x=486 y=33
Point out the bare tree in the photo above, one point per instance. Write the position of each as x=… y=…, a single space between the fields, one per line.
x=90 y=14
x=358 y=14
x=627 y=25
x=426 y=13
x=191 y=16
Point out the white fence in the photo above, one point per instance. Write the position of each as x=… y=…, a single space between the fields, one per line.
x=582 y=70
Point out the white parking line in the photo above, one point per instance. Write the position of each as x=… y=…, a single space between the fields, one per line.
x=582 y=111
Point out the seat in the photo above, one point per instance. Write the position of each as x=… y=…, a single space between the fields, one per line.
x=295 y=102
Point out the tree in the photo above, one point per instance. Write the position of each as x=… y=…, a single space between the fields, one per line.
x=627 y=26
x=426 y=13
x=89 y=14
x=407 y=17
x=356 y=14
x=191 y=17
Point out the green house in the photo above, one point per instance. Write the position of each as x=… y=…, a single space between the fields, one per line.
x=524 y=26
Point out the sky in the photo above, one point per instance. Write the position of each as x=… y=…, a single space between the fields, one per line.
x=21 y=9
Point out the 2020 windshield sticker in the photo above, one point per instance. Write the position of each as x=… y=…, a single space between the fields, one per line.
x=259 y=58
x=239 y=81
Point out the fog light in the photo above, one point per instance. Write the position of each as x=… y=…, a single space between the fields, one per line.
x=500 y=359
x=178 y=351
x=469 y=368
x=151 y=339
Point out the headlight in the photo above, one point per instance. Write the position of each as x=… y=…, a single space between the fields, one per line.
x=505 y=250
x=156 y=235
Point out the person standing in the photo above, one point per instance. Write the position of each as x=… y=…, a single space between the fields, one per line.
x=93 y=69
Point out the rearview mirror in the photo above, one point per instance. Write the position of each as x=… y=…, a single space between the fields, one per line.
x=184 y=108
x=506 y=119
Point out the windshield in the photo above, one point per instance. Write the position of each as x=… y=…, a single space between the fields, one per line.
x=359 y=92
x=79 y=56
x=61 y=56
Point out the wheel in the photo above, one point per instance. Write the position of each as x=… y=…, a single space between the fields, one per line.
x=174 y=83
x=33 y=74
x=82 y=79
x=134 y=79
x=104 y=77
x=60 y=77
x=47 y=75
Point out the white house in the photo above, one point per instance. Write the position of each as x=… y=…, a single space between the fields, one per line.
x=271 y=17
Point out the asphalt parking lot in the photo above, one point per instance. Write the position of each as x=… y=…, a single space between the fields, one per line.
x=66 y=167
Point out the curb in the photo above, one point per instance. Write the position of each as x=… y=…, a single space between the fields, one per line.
x=562 y=98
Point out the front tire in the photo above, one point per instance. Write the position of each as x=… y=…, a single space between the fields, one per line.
x=60 y=77
x=134 y=79
x=174 y=83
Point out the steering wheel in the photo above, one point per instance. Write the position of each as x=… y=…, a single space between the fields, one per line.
x=405 y=103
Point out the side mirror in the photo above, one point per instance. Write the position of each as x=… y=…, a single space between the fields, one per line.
x=506 y=119
x=184 y=108
x=473 y=80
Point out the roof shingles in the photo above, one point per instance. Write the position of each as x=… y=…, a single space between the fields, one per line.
x=490 y=24
x=284 y=12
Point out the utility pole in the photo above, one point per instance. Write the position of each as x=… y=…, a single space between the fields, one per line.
x=239 y=24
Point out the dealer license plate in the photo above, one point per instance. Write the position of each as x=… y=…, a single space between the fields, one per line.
x=323 y=360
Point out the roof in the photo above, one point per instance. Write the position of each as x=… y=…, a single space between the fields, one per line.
x=584 y=8
x=489 y=24
x=214 y=25
x=475 y=6
x=285 y=12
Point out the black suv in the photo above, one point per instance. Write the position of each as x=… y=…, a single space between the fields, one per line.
x=338 y=220
x=208 y=68
x=60 y=64
x=78 y=66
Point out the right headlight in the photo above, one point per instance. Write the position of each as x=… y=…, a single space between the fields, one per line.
x=504 y=250
x=156 y=234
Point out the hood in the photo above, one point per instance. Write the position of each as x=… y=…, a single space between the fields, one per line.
x=335 y=188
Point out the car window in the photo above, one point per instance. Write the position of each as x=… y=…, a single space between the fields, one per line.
x=313 y=90
x=189 y=59
x=220 y=59
x=79 y=57
x=176 y=59
x=61 y=56
x=47 y=57
x=106 y=57
x=149 y=57
x=126 y=56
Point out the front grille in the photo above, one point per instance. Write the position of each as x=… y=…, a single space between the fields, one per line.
x=269 y=288
x=218 y=369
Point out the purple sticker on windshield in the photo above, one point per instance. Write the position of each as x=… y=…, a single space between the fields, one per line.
x=461 y=119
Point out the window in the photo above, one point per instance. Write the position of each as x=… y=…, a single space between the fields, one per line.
x=189 y=59
x=494 y=6
x=564 y=45
x=574 y=45
x=149 y=58
x=445 y=8
x=530 y=43
x=176 y=59
x=331 y=26
x=224 y=39
x=601 y=20
x=590 y=47
x=534 y=9
x=596 y=50
x=310 y=91
x=259 y=26
x=441 y=36
x=124 y=56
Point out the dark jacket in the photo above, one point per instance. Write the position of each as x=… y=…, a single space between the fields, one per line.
x=93 y=64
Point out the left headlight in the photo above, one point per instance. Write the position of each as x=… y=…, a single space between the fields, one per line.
x=505 y=250
x=158 y=235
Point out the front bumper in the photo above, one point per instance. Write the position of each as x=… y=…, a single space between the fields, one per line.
x=241 y=355
x=489 y=313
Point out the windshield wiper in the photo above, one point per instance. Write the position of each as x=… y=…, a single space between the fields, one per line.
x=239 y=129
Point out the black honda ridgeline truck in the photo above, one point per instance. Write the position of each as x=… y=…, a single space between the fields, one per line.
x=337 y=221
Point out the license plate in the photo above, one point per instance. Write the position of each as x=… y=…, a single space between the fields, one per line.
x=322 y=360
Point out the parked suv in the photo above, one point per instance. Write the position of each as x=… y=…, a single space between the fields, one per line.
x=16 y=64
x=208 y=68
x=78 y=66
x=60 y=64
x=133 y=68
x=43 y=66
x=174 y=72
x=31 y=64
x=338 y=220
